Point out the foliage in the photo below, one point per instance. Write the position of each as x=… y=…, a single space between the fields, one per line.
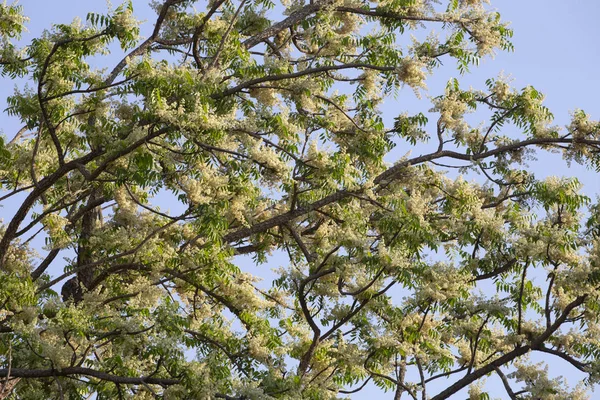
x=263 y=121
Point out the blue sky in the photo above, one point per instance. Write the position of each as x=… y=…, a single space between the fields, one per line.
x=556 y=51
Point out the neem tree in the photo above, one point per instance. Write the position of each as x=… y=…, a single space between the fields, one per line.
x=263 y=121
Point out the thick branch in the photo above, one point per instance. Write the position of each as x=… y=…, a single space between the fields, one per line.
x=72 y=371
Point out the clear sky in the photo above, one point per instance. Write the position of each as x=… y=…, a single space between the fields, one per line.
x=556 y=51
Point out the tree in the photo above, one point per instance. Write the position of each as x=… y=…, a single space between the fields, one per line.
x=262 y=123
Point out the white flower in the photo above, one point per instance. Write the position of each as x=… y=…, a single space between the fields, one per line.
x=411 y=73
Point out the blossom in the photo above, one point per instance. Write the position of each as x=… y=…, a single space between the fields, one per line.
x=410 y=72
x=452 y=108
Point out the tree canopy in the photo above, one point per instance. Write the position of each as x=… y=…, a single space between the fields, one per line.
x=243 y=130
